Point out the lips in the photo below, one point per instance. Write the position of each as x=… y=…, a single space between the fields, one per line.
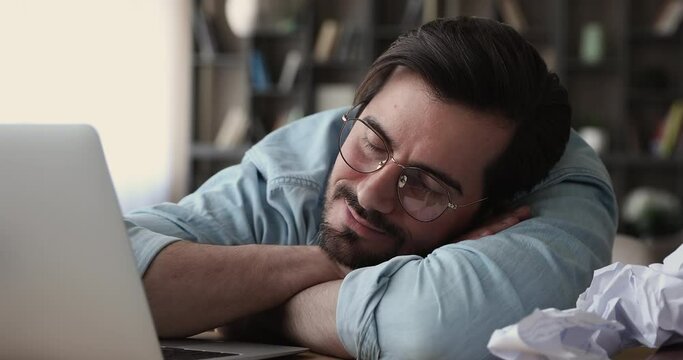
x=363 y=227
x=367 y=224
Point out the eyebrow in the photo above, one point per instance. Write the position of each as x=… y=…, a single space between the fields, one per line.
x=455 y=184
x=377 y=127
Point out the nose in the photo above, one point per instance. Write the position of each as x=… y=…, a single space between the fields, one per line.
x=377 y=191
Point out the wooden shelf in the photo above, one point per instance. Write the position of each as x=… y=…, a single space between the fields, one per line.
x=641 y=161
x=210 y=152
x=639 y=95
x=607 y=65
x=388 y=32
x=341 y=66
x=275 y=34
x=638 y=78
x=275 y=93
x=648 y=36
x=220 y=61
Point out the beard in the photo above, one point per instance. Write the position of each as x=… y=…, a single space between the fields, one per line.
x=345 y=246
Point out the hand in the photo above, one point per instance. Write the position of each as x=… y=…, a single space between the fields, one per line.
x=497 y=224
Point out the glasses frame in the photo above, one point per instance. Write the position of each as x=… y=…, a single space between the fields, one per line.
x=346 y=120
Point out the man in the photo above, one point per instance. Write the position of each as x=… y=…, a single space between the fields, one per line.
x=458 y=120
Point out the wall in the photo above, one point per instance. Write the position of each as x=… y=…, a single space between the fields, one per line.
x=123 y=66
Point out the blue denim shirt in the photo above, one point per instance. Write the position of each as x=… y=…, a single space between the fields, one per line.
x=443 y=306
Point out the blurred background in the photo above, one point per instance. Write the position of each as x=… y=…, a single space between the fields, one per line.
x=180 y=89
x=123 y=66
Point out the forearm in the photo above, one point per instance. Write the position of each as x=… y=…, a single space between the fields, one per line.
x=194 y=287
x=309 y=319
x=448 y=304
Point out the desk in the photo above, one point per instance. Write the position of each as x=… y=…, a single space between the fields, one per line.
x=308 y=355
x=638 y=353
x=668 y=353
x=674 y=352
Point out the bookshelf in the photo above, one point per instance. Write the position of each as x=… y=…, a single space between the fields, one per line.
x=622 y=71
x=245 y=87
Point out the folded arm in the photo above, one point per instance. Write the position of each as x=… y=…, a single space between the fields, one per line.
x=244 y=250
x=447 y=304
x=195 y=287
x=309 y=318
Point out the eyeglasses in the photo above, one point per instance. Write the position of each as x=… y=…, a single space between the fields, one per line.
x=423 y=196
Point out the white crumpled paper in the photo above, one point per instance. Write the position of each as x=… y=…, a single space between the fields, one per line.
x=625 y=305
x=557 y=334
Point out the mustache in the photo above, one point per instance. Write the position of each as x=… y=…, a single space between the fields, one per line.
x=374 y=217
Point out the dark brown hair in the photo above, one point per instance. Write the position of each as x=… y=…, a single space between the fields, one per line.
x=488 y=66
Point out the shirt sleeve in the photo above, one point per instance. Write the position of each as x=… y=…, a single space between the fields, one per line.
x=274 y=196
x=446 y=305
x=217 y=213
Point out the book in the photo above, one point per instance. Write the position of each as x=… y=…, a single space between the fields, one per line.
x=260 y=78
x=668 y=18
x=549 y=55
x=412 y=13
x=334 y=95
x=207 y=46
x=286 y=117
x=430 y=10
x=592 y=43
x=290 y=69
x=205 y=92
x=325 y=41
x=349 y=44
x=512 y=14
x=233 y=129
x=671 y=130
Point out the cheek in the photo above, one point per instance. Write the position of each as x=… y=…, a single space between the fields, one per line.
x=340 y=172
x=339 y=169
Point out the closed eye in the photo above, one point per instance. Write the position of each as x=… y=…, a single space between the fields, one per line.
x=372 y=147
x=427 y=182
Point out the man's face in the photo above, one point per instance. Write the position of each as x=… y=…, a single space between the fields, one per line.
x=364 y=222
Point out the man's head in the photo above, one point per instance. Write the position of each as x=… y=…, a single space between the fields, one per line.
x=466 y=100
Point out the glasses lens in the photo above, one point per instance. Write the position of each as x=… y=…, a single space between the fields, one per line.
x=363 y=150
x=422 y=196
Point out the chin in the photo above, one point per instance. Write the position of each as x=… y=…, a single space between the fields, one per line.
x=347 y=248
x=344 y=244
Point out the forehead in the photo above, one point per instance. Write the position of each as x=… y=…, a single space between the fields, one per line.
x=456 y=139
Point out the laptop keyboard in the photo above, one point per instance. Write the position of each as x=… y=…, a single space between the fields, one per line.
x=172 y=353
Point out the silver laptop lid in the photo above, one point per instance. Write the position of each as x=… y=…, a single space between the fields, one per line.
x=59 y=216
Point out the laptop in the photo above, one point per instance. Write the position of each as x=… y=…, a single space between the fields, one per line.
x=69 y=288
